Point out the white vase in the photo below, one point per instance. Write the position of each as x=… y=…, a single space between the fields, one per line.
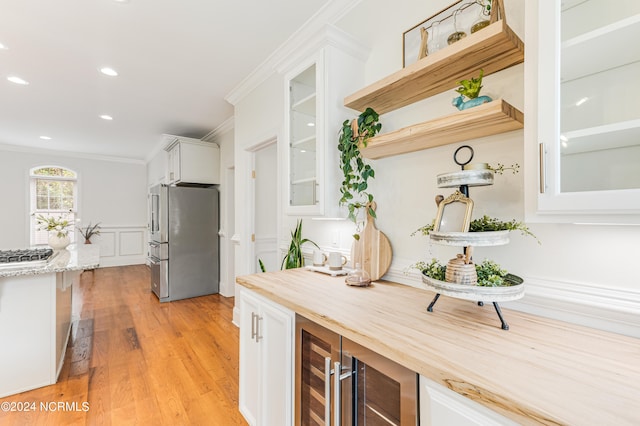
x=58 y=243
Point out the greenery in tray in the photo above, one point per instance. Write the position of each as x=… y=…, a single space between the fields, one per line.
x=490 y=274
x=355 y=171
x=433 y=269
x=486 y=224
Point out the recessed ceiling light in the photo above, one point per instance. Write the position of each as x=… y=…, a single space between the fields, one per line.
x=121 y=1
x=106 y=117
x=109 y=71
x=17 y=80
x=2 y=46
x=46 y=138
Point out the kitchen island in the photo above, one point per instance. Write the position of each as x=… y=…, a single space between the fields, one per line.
x=35 y=317
x=541 y=371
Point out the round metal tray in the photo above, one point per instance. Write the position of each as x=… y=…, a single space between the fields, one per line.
x=465 y=239
x=475 y=292
x=481 y=177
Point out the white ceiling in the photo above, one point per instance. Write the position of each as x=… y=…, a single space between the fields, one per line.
x=176 y=59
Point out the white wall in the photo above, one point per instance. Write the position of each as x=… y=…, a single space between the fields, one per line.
x=258 y=119
x=110 y=192
x=581 y=273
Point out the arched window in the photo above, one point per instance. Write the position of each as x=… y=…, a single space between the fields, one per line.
x=53 y=193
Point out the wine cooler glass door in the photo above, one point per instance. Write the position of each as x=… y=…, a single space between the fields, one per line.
x=383 y=393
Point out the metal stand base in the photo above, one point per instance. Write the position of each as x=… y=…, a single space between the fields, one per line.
x=433 y=302
x=504 y=324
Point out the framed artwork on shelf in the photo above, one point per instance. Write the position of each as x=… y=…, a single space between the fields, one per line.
x=451 y=24
x=454 y=213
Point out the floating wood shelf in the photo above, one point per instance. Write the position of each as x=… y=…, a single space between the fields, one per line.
x=493 y=48
x=485 y=120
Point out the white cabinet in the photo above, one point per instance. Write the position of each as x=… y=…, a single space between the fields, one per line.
x=440 y=406
x=314 y=112
x=192 y=161
x=266 y=361
x=588 y=123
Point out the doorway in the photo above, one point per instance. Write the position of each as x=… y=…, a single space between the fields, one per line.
x=265 y=202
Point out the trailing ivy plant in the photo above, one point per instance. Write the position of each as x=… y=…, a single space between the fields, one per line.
x=356 y=172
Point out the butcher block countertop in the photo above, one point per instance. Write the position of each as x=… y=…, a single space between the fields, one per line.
x=541 y=371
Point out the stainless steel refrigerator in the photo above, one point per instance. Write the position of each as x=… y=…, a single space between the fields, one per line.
x=184 y=246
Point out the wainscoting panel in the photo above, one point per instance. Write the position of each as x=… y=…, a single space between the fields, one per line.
x=131 y=243
x=122 y=245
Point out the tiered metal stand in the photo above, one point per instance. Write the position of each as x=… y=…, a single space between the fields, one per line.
x=464 y=179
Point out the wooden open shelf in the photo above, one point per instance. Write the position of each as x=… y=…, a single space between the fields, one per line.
x=493 y=48
x=485 y=120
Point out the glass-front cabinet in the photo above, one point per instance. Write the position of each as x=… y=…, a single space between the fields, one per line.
x=315 y=87
x=303 y=139
x=588 y=109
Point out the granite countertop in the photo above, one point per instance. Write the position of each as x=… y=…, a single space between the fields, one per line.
x=73 y=258
x=541 y=371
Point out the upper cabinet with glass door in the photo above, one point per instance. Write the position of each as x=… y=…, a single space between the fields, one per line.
x=315 y=87
x=303 y=161
x=588 y=109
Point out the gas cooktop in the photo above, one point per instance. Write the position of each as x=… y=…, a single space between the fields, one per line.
x=25 y=257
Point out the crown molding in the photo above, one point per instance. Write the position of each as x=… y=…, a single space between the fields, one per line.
x=329 y=35
x=226 y=126
x=70 y=154
x=301 y=40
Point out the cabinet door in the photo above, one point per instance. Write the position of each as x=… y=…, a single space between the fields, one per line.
x=266 y=361
x=588 y=121
x=440 y=406
x=275 y=334
x=303 y=126
x=249 y=398
x=174 y=164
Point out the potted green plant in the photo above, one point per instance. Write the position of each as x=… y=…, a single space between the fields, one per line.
x=88 y=231
x=471 y=90
x=356 y=172
x=294 y=257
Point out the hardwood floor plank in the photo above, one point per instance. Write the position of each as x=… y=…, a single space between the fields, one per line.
x=136 y=361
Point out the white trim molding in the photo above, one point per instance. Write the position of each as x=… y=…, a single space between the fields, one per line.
x=226 y=126
x=299 y=44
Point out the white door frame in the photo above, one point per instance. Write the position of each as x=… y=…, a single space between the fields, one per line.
x=251 y=196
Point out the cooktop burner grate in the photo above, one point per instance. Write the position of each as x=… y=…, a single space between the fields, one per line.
x=26 y=255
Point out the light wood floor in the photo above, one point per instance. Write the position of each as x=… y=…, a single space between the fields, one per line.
x=136 y=361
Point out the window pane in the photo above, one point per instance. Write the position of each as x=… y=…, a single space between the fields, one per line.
x=54 y=171
x=42 y=203
x=52 y=197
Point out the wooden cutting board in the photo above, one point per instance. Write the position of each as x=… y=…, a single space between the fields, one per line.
x=373 y=250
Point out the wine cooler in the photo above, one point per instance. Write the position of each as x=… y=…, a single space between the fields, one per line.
x=339 y=382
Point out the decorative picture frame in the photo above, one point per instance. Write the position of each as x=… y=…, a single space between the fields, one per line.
x=430 y=35
x=454 y=213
